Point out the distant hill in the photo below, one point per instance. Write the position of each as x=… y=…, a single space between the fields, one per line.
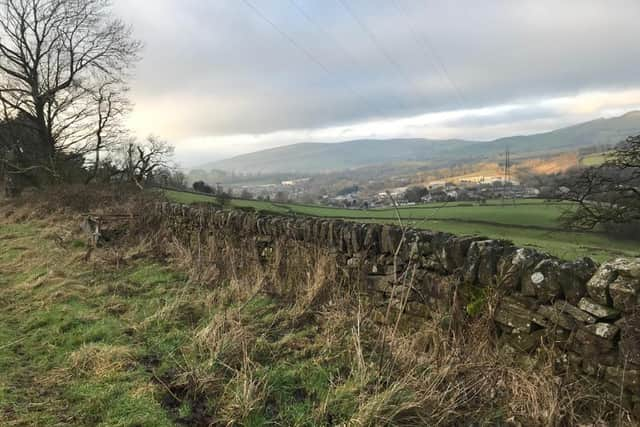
x=327 y=157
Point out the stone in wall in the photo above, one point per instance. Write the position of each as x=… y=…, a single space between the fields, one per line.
x=630 y=338
x=607 y=331
x=482 y=262
x=390 y=237
x=599 y=286
x=625 y=293
x=550 y=316
x=380 y=282
x=550 y=278
x=432 y=288
x=543 y=281
x=515 y=313
x=372 y=238
x=627 y=378
x=594 y=348
x=524 y=342
x=454 y=252
x=513 y=265
x=574 y=276
x=573 y=311
x=598 y=311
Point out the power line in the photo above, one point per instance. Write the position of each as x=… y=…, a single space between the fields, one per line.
x=377 y=43
x=325 y=32
x=300 y=47
x=335 y=41
x=291 y=40
x=432 y=51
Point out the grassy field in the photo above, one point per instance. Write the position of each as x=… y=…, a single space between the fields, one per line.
x=129 y=338
x=529 y=222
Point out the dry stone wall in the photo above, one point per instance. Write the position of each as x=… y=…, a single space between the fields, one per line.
x=590 y=312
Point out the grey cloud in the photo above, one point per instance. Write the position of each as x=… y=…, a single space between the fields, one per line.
x=231 y=72
x=517 y=114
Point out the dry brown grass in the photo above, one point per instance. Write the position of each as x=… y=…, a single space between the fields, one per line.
x=186 y=307
x=244 y=394
x=430 y=374
x=224 y=339
x=316 y=290
x=72 y=199
x=101 y=360
x=431 y=378
x=555 y=164
x=422 y=374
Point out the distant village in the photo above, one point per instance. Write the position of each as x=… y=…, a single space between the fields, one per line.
x=435 y=192
x=474 y=189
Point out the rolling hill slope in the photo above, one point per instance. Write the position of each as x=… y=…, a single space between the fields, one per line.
x=325 y=157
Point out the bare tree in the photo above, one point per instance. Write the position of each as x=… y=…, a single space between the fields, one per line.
x=54 y=56
x=142 y=160
x=110 y=106
x=609 y=193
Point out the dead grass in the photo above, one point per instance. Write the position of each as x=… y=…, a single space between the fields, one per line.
x=244 y=394
x=425 y=374
x=185 y=308
x=224 y=339
x=101 y=360
x=421 y=375
x=432 y=378
x=317 y=289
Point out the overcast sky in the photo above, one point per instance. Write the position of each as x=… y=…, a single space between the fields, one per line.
x=223 y=77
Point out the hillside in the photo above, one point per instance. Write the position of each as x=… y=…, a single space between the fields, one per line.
x=325 y=157
x=540 y=164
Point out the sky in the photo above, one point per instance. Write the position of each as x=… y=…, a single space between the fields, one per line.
x=219 y=78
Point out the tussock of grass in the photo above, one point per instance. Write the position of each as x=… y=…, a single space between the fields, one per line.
x=182 y=308
x=244 y=396
x=101 y=360
x=224 y=339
